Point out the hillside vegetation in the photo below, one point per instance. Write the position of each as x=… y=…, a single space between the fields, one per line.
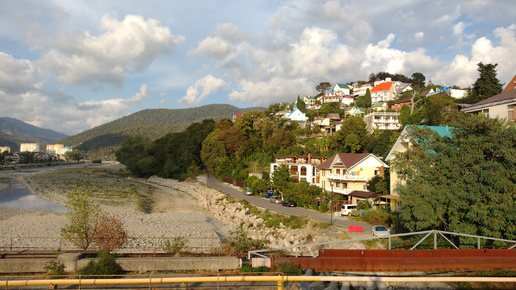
x=102 y=141
x=13 y=132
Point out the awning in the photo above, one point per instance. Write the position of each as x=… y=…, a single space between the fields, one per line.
x=390 y=196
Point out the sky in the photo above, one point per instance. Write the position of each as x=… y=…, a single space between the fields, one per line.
x=72 y=65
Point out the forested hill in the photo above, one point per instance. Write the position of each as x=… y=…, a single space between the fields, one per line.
x=13 y=132
x=152 y=123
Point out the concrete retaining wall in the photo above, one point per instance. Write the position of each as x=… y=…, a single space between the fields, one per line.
x=128 y=264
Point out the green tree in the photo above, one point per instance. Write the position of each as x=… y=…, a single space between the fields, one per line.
x=83 y=215
x=74 y=155
x=322 y=87
x=365 y=100
x=353 y=137
x=465 y=184
x=437 y=107
x=418 y=79
x=281 y=178
x=487 y=84
x=301 y=104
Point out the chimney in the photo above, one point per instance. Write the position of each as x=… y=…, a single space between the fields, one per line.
x=309 y=158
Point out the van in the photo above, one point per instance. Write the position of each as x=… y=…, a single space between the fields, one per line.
x=347 y=208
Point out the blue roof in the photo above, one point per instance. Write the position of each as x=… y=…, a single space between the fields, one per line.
x=443 y=131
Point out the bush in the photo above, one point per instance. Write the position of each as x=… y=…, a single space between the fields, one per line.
x=377 y=217
x=248 y=269
x=176 y=246
x=54 y=268
x=110 y=233
x=83 y=214
x=106 y=265
x=239 y=243
x=288 y=268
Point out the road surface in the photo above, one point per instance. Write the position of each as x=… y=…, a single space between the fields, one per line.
x=296 y=211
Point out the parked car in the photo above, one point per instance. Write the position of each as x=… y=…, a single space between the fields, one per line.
x=248 y=192
x=380 y=231
x=275 y=199
x=288 y=202
x=346 y=209
x=268 y=194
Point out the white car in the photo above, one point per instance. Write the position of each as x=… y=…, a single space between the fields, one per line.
x=380 y=231
x=248 y=192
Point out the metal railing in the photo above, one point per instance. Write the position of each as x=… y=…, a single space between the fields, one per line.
x=296 y=249
x=139 y=244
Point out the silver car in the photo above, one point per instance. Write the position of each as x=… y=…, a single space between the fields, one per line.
x=380 y=231
x=275 y=199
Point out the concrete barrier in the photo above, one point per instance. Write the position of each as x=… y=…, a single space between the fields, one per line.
x=141 y=265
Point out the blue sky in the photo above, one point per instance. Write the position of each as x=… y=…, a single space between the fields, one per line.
x=74 y=65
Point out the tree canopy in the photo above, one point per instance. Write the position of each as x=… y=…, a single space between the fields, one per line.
x=464 y=183
x=487 y=84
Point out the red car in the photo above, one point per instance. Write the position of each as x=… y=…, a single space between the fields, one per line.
x=288 y=203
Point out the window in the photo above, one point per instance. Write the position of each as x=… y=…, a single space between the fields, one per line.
x=485 y=112
x=510 y=113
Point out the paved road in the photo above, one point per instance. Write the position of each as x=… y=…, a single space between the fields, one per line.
x=296 y=211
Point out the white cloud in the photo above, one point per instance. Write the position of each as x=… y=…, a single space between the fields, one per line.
x=18 y=75
x=126 y=46
x=458 y=28
x=201 y=89
x=462 y=71
x=419 y=35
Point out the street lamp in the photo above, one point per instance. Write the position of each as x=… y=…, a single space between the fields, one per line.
x=331 y=202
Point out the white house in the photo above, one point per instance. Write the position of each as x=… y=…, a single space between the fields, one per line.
x=342 y=89
x=346 y=100
x=296 y=115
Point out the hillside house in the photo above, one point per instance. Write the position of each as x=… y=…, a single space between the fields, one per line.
x=398 y=104
x=331 y=98
x=296 y=115
x=359 y=90
x=501 y=106
x=5 y=148
x=380 y=106
x=309 y=101
x=402 y=144
x=346 y=100
x=342 y=89
x=301 y=167
x=384 y=92
x=344 y=173
x=382 y=121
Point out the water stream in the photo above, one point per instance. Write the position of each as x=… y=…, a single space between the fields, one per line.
x=18 y=197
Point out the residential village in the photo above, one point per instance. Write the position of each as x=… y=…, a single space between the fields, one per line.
x=52 y=152
x=345 y=175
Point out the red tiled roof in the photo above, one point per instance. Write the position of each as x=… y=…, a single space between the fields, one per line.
x=511 y=85
x=382 y=87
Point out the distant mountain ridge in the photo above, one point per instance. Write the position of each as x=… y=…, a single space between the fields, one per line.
x=151 y=123
x=13 y=132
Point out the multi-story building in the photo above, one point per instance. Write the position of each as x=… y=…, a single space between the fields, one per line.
x=30 y=147
x=383 y=92
x=5 y=148
x=344 y=173
x=382 y=121
x=57 y=149
x=403 y=144
x=301 y=167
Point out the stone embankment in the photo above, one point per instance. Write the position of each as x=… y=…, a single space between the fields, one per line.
x=233 y=213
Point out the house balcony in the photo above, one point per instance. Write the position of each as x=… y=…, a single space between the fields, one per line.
x=343 y=191
x=346 y=177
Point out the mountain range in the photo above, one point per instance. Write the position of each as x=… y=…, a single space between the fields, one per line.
x=103 y=140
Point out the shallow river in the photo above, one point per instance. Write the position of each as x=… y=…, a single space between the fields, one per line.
x=17 y=196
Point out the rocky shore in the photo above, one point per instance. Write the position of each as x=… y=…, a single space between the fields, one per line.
x=189 y=210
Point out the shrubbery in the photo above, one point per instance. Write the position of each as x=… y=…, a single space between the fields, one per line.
x=106 y=265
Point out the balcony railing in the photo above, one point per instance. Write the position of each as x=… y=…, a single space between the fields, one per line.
x=341 y=190
x=347 y=177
